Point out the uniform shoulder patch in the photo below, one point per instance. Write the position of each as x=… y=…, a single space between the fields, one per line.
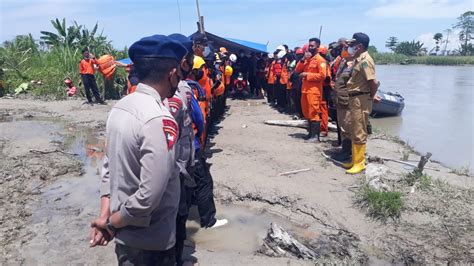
x=175 y=104
x=170 y=128
x=364 y=64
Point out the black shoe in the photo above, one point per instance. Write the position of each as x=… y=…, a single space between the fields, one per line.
x=315 y=129
x=310 y=131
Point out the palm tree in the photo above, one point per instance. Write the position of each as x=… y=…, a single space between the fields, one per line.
x=437 y=37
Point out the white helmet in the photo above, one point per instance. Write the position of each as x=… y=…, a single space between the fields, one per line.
x=281 y=54
x=233 y=58
x=281 y=48
x=270 y=55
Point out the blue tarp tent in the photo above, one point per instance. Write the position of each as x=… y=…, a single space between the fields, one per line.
x=234 y=45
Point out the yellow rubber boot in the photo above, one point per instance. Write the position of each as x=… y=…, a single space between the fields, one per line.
x=351 y=163
x=358 y=155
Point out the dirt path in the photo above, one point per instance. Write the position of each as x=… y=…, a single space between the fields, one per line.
x=47 y=223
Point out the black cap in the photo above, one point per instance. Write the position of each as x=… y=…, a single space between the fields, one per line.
x=200 y=38
x=360 y=37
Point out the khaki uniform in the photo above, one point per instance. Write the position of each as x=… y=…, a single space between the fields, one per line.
x=140 y=174
x=360 y=101
x=342 y=97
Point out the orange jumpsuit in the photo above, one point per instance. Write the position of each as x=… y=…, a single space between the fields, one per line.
x=312 y=86
x=206 y=84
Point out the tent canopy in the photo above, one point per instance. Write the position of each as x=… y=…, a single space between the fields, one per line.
x=234 y=45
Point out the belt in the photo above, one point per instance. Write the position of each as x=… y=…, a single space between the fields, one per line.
x=358 y=93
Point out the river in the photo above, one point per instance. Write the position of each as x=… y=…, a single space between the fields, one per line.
x=438 y=115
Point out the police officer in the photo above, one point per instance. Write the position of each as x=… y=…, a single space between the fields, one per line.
x=140 y=186
x=180 y=106
x=362 y=88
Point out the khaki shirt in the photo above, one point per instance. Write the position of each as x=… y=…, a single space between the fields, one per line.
x=363 y=72
x=140 y=173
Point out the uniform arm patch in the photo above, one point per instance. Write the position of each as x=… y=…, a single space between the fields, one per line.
x=170 y=130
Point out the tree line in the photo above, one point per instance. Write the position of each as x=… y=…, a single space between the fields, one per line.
x=465 y=26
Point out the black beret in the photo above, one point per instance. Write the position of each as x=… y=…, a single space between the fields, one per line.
x=360 y=37
x=185 y=41
x=157 y=46
x=200 y=38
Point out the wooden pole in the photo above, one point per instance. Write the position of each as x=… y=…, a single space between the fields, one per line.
x=200 y=19
x=320 y=30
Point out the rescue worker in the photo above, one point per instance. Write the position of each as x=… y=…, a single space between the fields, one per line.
x=140 y=186
x=87 y=70
x=203 y=192
x=323 y=51
x=312 y=69
x=362 y=88
x=295 y=81
x=271 y=79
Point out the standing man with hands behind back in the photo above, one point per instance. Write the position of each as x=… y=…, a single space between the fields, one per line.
x=362 y=88
x=140 y=185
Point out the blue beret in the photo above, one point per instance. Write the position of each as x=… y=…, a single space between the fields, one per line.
x=185 y=41
x=157 y=46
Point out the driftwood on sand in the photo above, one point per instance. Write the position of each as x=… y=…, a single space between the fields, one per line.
x=279 y=243
x=295 y=123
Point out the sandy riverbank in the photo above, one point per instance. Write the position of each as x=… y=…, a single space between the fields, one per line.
x=50 y=158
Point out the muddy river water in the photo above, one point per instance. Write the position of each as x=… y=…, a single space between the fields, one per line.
x=439 y=108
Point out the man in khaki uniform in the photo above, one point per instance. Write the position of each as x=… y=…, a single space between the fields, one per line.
x=362 y=88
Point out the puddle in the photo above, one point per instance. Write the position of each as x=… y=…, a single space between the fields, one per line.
x=244 y=233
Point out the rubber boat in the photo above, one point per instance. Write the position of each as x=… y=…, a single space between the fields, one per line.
x=392 y=104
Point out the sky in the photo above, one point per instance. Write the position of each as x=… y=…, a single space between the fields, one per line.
x=274 y=22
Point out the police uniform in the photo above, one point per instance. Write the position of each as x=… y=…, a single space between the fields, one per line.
x=140 y=174
x=360 y=104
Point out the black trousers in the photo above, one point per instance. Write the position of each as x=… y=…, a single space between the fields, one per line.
x=296 y=95
x=204 y=193
x=182 y=217
x=128 y=256
x=90 y=85
x=270 y=93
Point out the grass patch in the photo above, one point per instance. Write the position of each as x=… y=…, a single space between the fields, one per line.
x=416 y=176
x=392 y=58
x=381 y=204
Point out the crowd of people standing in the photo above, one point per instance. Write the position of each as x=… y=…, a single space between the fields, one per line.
x=155 y=168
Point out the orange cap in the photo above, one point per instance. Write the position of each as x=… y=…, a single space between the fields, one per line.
x=323 y=50
x=299 y=51
x=223 y=50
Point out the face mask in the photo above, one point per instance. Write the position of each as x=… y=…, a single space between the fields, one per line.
x=198 y=74
x=344 y=54
x=352 y=50
x=174 y=87
x=312 y=50
x=207 y=51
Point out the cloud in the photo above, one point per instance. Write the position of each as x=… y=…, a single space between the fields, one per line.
x=421 y=9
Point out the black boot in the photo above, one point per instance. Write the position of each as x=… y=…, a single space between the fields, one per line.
x=315 y=129
x=310 y=131
x=346 y=152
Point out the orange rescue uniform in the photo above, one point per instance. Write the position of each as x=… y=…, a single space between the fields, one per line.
x=86 y=66
x=312 y=86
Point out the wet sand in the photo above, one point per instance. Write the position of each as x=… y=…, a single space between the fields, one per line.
x=48 y=209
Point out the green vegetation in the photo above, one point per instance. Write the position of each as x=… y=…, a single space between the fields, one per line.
x=43 y=65
x=392 y=58
x=416 y=176
x=381 y=204
x=414 y=52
